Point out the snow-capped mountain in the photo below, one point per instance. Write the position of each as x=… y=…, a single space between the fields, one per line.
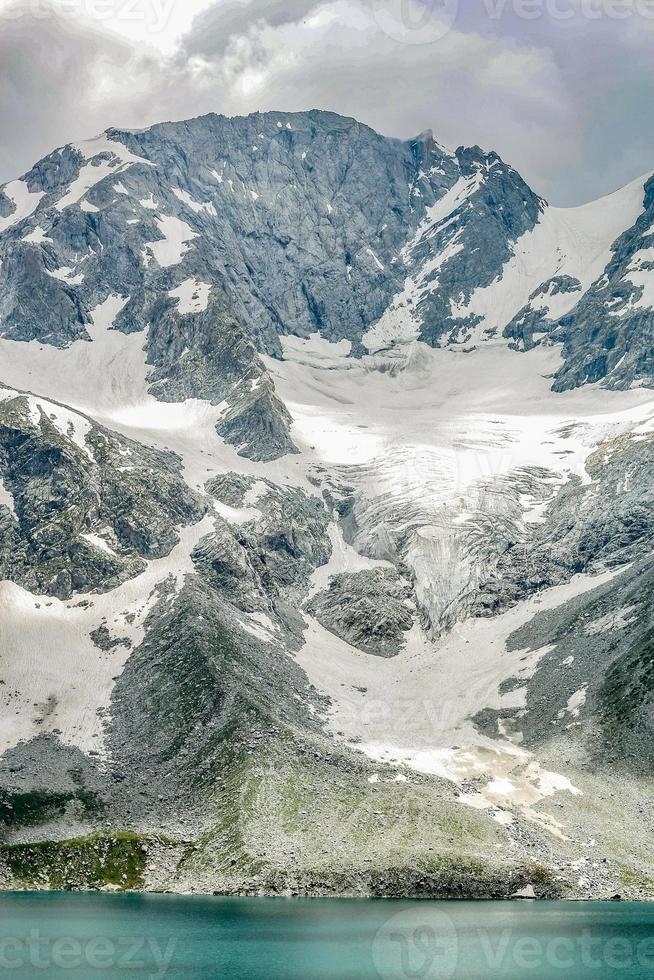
x=326 y=517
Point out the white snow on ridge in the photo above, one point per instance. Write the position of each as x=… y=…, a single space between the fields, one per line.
x=444 y=208
x=68 y=423
x=25 y=203
x=149 y=203
x=193 y=296
x=645 y=281
x=95 y=169
x=572 y=242
x=55 y=677
x=238 y=516
x=642 y=277
x=104 y=315
x=98 y=542
x=399 y=323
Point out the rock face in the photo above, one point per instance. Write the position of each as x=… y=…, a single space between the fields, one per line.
x=370 y=610
x=292 y=223
x=215 y=229
x=467 y=251
x=268 y=558
x=87 y=507
x=326 y=519
x=607 y=523
x=609 y=333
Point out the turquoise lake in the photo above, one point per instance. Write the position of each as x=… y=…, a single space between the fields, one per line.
x=90 y=936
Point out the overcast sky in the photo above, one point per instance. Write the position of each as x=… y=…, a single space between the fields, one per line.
x=562 y=89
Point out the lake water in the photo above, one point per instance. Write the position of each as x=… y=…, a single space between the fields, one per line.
x=134 y=936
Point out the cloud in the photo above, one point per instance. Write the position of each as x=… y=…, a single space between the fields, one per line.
x=565 y=101
x=60 y=80
x=340 y=55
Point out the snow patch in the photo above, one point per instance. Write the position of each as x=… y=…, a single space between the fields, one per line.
x=67 y=275
x=617 y=620
x=196 y=206
x=25 y=203
x=104 y=156
x=172 y=248
x=37 y=237
x=575 y=703
x=98 y=542
x=193 y=296
x=103 y=316
x=6 y=498
x=375 y=259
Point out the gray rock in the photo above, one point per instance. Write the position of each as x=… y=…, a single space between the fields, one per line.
x=131 y=497
x=371 y=610
x=271 y=557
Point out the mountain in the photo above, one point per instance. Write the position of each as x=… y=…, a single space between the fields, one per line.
x=326 y=519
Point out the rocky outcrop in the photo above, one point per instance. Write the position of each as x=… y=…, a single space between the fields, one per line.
x=586 y=528
x=371 y=610
x=608 y=335
x=532 y=323
x=469 y=248
x=269 y=557
x=89 y=506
